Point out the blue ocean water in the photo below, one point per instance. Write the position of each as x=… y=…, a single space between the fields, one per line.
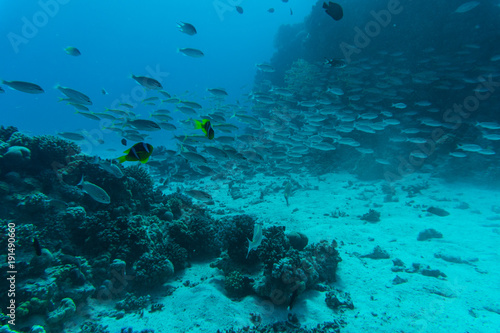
x=118 y=39
x=351 y=184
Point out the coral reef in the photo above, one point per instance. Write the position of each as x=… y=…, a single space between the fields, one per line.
x=6 y=132
x=133 y=303
x=302 y=77
x=372 y=216
x=133 y=245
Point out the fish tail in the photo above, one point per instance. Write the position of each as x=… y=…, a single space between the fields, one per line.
x=249 y=247
x=122 y=159
x=198 y=124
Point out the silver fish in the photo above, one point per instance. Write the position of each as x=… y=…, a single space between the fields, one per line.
x=195 y=53
x=26 y=87
x=95 y=192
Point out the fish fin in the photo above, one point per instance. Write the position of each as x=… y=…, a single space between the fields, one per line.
x=249 y=247
x=198 y=124
x=122 y=159
x=81 y=181
x=145 y=160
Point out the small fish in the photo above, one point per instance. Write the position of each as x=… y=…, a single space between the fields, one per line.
x=239 y=9
x=128 y=106
x=492 y=137
x=256 y=239
x=73 y=51
x=458 y=154
x=143 y=124
x=194 y=157
x=469 y=147
x=265 y=68
x=79 y=106
x=26 y=87
x=147 y=82
x=111 y=168
x=195 y=53
x=336 y=63
x=288 y=191
x=95 y=192
x=467 y=6
x=167 y=126
x=139 y=152
x=72 y=136
x=206 y=127
x=335 y=91
x=334 y=10
x=293 y=298
x=89 y=115
x=193 y=105
x=187 y=28
x=75 y=95
x=200 y=195
x=217 y=92
x=399 y=105
x=103 y=91
x=124 y=142
x=270 y=10
x=38 y=248
x=488 y=125
x=57 y=204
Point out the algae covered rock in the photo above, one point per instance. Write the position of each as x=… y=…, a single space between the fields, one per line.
x=65 y=310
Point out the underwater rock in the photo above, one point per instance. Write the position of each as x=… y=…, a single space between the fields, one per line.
x=372 y=216
x=168 y=216
x=237 y=285
x=34 y=203
x=16 y=156
x=74 y=216
x=337 y=299
x=6 y=132
x=119 y=266
x=399 y=280
x=297 y=240
x=37 y=329
x=132 y=302
x=425 y=270
x=437 y=211
x=65 y=310
x=399 y=265
x=377 y=253
x=152 y=270
x=428 y=234
x=454 y=258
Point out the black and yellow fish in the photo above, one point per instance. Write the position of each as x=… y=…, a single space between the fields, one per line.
x=206 y=127
x=139 y=152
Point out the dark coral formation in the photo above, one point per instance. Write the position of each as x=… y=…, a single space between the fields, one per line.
x=133 y=244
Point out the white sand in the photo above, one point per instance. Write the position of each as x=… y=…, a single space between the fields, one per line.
x=380 y=306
